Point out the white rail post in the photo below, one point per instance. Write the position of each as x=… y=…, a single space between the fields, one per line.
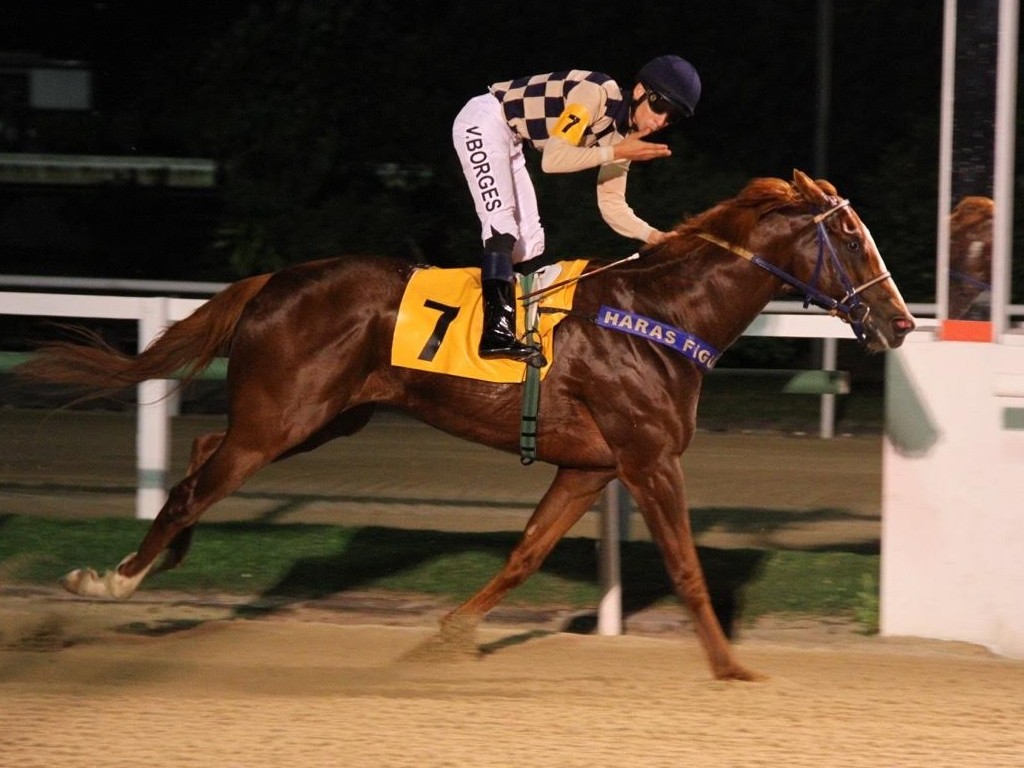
x=152 y=438
x=609 y=611
x=827 y=416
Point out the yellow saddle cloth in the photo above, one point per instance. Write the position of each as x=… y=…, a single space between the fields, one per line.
x=441 y=318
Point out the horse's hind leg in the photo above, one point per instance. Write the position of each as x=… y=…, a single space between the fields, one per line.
x=346 y=423
x=85 y=581
x=202 y=448
x=571 y=494
x=230 y=458
x=226 y=469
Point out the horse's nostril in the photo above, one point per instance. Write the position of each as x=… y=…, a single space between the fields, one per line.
x=903 y=325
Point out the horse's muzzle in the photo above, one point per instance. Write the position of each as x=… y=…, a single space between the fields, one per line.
x=901 y=327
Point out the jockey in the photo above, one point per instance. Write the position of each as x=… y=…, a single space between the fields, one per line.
x=577 y=119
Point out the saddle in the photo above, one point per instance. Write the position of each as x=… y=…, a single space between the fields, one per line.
x=440 y=320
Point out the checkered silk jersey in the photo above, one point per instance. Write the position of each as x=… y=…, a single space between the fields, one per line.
x=532 y=105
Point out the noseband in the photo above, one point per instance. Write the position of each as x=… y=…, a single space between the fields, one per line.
x=851 y=308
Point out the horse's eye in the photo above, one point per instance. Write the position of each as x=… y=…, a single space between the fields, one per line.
x=853 y=246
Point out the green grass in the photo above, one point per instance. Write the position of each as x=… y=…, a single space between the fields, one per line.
x=310 y=561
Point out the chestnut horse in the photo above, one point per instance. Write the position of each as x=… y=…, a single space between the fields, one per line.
x=970 y=258
x=309 y=357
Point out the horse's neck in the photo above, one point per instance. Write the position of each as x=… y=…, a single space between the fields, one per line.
x=719 y=298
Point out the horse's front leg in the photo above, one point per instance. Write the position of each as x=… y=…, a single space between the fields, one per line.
x=571 y=494
x=661 y=496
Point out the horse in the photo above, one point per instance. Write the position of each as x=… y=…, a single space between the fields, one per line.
x=970 y=258
x=308 y=361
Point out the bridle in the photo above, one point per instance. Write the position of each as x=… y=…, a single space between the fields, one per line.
x=969 y=280
x=851 y=308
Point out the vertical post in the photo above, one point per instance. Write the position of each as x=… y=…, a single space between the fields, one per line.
x=826 y=23
x=945 y=160
x=152 y=437
x=609 y=611
x=1005 y=129
x=827 y=425
x=824 y=105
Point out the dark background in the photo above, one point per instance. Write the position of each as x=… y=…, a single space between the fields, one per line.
x=330 y=122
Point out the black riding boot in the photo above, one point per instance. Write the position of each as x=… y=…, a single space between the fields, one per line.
x=499 y=295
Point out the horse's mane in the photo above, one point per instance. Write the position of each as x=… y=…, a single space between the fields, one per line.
x=973 y=209
x=733 y=219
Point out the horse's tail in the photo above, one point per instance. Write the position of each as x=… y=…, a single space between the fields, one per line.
x=182 y=351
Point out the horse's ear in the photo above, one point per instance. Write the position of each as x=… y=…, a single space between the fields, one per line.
x=809 y=188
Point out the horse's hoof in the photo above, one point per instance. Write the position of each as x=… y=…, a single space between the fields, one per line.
x=458 y=629
x=740 y=673
x=84 y=582
x=455 y=641
x=438 y=648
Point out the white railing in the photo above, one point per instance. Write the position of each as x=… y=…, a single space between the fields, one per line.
x=154 y=313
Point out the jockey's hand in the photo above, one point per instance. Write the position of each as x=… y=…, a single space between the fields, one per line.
x=633 y=147
x=656 y=237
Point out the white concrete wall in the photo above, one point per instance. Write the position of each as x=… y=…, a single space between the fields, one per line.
x=953 y=493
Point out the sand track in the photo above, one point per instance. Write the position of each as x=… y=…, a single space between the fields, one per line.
x=174 y=682
x=180 y=680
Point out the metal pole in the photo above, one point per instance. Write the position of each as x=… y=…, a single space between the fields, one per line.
x=1006 y=109
x=827 y=408
x=945 y=160
x=825 y=24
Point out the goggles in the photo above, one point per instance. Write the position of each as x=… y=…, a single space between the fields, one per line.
x=660 y=105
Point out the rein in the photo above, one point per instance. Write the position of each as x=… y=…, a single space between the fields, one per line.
x=555 y=286
x=850 y=308
x=525 y=298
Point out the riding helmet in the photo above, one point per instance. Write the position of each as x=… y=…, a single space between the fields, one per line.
x=675 y=79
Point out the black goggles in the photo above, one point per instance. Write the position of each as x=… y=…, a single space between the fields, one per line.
x=660 y=105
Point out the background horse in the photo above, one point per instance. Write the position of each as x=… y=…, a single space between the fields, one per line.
x=309 y=357
x=970 y=258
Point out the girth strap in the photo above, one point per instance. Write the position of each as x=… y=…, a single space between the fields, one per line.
x=531 y=384
x=528 y=425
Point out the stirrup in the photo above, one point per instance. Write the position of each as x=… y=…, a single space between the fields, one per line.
x=514 y=350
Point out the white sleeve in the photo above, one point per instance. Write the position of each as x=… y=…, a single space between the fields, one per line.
x=611 y=201
x=559 y=156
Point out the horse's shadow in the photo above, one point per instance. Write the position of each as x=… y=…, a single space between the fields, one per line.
x=374 y=554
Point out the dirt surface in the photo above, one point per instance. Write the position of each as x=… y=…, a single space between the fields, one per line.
x=356 y=680
x=171 y=681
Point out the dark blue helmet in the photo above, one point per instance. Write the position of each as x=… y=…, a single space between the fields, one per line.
x=673 y=78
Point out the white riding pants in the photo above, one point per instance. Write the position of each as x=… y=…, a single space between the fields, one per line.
x=492 y=160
